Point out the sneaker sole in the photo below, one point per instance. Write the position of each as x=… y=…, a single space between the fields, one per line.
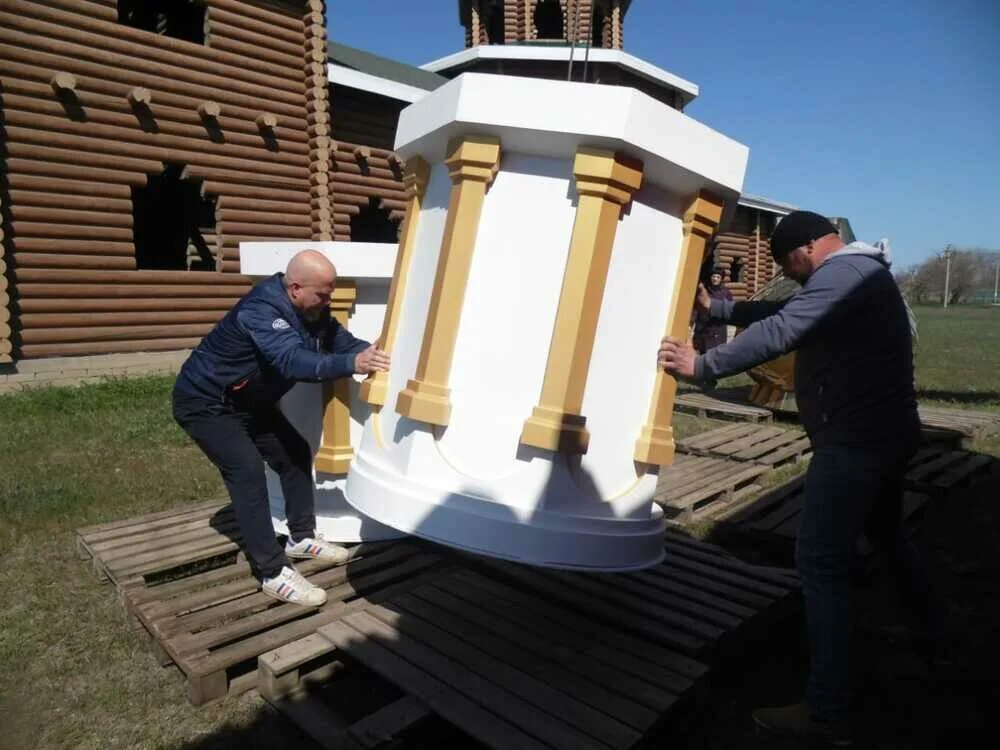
x=301 y=556
x=289 y=601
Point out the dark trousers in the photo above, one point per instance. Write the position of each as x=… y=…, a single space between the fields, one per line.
x=850 y=490
x=238 y=442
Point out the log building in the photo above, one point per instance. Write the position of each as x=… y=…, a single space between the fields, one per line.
x=142 y=141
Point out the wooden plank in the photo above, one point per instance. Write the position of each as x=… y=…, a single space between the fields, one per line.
x=759 y=435
x=764 y=446
x=436 y=693
x=496 y=671
x=658 y=665
x=796 y=450
x=707 y=440
x=967 y=468
x=768 y=501
x=664 y=632
x=389 y=721
x=612 y=688
x=917 y=473
x=97 y=531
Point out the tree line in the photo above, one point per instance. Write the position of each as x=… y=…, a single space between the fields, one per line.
x=971 y=278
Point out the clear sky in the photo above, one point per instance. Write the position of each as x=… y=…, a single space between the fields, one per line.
x=884 y=111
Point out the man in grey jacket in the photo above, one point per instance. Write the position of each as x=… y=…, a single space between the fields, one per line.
x=854 y=389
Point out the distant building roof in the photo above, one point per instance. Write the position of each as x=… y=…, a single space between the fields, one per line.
x=358 y=69
x=766 y=204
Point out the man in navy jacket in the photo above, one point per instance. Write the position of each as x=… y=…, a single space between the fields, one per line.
x=226 y=399
x=855 y=393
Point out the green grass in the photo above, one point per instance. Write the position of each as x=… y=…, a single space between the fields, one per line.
x=76 y=675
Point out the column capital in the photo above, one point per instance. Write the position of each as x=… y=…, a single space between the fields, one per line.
x=344 y=295
x=703 y=214
x=606 y=174
x=416 y=175
x=473 y=157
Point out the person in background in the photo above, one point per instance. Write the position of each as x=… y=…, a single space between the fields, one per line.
x=708 y=331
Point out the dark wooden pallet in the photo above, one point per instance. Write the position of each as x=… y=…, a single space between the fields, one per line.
x=131 y=550
x=526 y=657
x=761 y=444
x=935 y=470
x=693 y=486
x=968 y=422
x=776 y=514
x=704 y=405
x=214 y=625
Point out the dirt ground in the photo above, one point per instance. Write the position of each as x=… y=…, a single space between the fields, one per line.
x=900 y=703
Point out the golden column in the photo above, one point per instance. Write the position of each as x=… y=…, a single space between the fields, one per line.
x=655 y=445
x=605 y=182
x=472 y=163
x=374 y=389
x=335 y=452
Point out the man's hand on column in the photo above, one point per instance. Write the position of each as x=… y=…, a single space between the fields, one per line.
x=676 y=357
x=371 y=360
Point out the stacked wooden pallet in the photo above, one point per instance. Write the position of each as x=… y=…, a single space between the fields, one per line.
x=94 y=107
x=967 y=422
x=694 y=487
x=705 y=405
x=535 y=658
x=761 y=444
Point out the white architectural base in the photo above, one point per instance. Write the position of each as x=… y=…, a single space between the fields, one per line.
x=547 y=537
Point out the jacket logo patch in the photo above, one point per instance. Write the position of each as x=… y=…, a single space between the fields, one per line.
x=280 y=324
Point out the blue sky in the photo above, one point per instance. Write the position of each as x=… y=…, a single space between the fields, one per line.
x=885 y=112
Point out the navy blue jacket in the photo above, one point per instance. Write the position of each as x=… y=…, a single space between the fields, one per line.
x=262 y=347
x=854 y=368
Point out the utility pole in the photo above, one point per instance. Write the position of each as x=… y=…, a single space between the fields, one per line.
x=947 y=274
x=996 y=281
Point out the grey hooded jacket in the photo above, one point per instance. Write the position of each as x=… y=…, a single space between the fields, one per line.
x=854 y=369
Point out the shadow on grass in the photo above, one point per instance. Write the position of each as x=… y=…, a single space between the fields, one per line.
x=268 y=730
x=962 y=397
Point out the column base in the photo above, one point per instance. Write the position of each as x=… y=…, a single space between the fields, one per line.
x=374 y=389
x=655 y=446
x=425 y=403
x=334 y=461
x=554 y=430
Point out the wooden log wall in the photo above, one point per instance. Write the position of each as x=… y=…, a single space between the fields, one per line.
x=364 y=167
x=91 y=108
x=6 y=347
x=519 y=21
x=730 y=249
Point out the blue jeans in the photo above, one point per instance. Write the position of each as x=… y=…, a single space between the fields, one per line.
x=239 y=442
x=849 y=490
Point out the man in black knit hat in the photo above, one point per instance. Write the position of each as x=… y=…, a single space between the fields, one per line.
x=854 y=389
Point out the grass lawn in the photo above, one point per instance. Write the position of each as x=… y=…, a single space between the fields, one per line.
x=77 y=676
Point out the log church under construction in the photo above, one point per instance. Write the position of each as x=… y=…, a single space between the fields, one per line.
x=141 y=141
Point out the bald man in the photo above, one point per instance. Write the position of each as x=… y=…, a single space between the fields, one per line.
x=226 y=399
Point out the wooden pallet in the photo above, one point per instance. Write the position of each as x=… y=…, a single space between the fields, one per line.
x=214 y=625
x=129 y=551
x=935 y=470
x=761 y=444
x=527 y=657
x=695 y=485
x=777 y=514
x=705 y=405
x=965 y=421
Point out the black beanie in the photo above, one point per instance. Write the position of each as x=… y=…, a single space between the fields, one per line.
x=797 y=229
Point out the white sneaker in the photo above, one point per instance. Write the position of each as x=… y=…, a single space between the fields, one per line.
x=316 y=548
x=291 y=586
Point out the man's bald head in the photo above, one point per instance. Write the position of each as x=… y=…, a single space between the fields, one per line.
x=310 y=267
x=310 y=278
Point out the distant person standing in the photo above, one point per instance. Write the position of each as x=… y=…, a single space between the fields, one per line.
x=710 y=332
